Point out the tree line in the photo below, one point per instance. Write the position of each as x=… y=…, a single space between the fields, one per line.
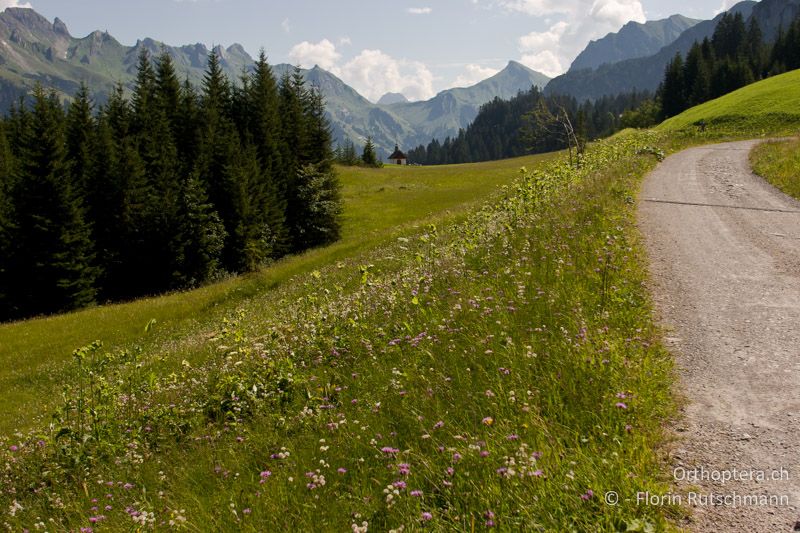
x=512 y=128
x=735 y=56
x=347 y=155
x=167 y=189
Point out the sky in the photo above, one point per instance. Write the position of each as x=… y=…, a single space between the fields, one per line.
x=415 y=47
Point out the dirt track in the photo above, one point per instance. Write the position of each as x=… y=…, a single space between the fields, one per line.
x=724 y=249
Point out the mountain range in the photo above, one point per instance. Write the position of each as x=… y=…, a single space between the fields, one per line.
x=32 y=49
x=646 y=73
x=634 y=39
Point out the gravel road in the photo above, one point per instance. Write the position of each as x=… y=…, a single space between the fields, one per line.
x=724 y=249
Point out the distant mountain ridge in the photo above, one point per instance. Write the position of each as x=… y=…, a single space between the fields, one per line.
x=646 y=73
x=32 y=49
x=633 y=40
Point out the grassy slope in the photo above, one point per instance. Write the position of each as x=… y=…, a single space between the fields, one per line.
x=769 y=106
x=505 y=366
x=380 y=203
x=779 y=163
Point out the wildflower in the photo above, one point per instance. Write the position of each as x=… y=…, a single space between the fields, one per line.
x=621 y=405
x=513 y=437
x=484 y=453
x=264 y=476
x=399 y=484
x=127 y=486
x=404 y=469
x=247 y=511
x=538 y=473
x=438 y=425
x=427 y=516
x=504 y=371
x=342 y=470
x=416 y=493
x=389 y=450
x=456 y=457
x=488 y=421
x=451 y=471
x=621 y=395
x=588 y=495
x=13 y=448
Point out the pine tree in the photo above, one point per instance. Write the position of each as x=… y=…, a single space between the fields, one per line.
x=144 y=91
x=319 y=131
x=368 y=156
x=80 y=125
x=202 y=236
x=168 y=92
x=672 y=91
x=756 y=49
x=154 y=100
x=319 y=192
x=266 y=135
x=250 y=239
x=6 y=227
x=52 y=261
x=188 y=127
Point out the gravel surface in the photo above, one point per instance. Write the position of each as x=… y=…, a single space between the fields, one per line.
x=724 y=249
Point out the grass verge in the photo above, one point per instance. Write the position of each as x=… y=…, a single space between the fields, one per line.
x=498 y=372
x=779 y=164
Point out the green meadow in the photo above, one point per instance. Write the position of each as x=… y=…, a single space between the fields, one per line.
x=478 y=352
x=379 y=204
x=768 y=107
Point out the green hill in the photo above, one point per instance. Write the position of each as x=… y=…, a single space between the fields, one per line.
x=771 y=105
x=497 y=368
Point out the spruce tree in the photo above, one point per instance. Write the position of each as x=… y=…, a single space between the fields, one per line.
x=6 y=227
x=368 y=156
x=168 y=92
x=220 y=146
x=80 y=125
x=672 y=91
x=144 y=91
x=250 y=239
x=201 y=238
x=52 y=260
x=266 y=135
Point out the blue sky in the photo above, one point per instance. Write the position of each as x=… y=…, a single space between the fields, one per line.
x=377 y=46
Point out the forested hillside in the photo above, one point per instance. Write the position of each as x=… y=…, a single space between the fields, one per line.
x=167 y=189
x=511 y=128
x=736 y=55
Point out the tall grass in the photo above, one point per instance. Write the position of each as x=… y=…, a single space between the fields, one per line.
x=779 y=163
x=499 y=372
x=380 y=204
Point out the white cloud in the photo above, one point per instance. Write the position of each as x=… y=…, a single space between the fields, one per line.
x=537 y=7
x=551 y=51
x=345 y=41
x=308 y=54
x=372 y=72
x=286 y=25
x=420 y=10
x=473 y=75
x=725 y=5
x=4 y=4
